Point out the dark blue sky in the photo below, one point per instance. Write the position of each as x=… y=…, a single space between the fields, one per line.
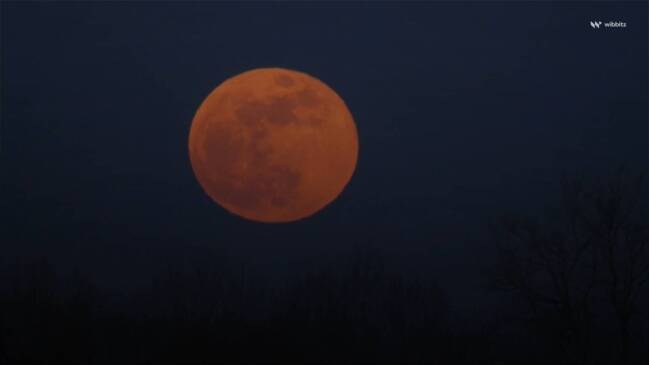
x=464 y=111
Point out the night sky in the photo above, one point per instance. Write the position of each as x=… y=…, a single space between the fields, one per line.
x=464 y=112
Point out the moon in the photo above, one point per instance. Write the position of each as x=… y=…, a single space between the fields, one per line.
x=273 y=145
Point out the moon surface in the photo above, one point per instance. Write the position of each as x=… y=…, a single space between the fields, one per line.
x=273 y=145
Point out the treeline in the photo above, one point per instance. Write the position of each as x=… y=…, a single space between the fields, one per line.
x=361 y=312
x=572 y=283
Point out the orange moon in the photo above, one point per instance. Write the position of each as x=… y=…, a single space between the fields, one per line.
x=273 y=145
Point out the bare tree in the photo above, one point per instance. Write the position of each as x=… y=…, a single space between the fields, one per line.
x=595 y=249
x=615 y=221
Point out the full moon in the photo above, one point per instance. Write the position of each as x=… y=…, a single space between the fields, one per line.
x=273 y=145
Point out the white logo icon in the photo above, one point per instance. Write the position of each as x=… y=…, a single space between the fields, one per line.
x=595 y=24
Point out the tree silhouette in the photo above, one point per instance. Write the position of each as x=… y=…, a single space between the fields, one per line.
x=614 y=220
x=591 y=256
